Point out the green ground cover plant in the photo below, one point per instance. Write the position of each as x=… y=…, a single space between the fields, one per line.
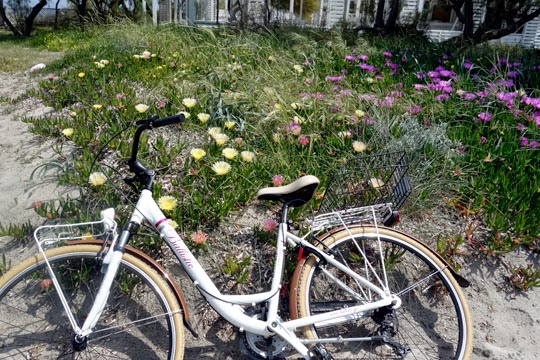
x=264 y=109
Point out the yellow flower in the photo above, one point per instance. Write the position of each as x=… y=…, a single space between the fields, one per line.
x=97 y=179
x=221 y=168
x=271 y=58
x=67 y=132
x=359 y=113
x=197 y=153
x=203 y=117
x=298 y=69
x=97 y=106
x=277 y=106
x=229 y=153
x=167 y=202
x=295 y=106
x=104 y=62
x=276 y=137
x=370 y=80
x=220 y=139
x=189 y=102
x=186 y=114
x=87 y=236
x=344 y=134
x=214 y=131
x=359 y=146
x=73 y=114
x=229 y=124
x=298 y=120
x=99 y=65
x=141 y=108
x=173 y=223
x=81 y=75
x=247 y=156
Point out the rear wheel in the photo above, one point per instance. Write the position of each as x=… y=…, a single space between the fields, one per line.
x=141 y=320
x=433 y=321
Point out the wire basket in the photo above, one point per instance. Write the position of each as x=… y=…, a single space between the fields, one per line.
x=366 y=181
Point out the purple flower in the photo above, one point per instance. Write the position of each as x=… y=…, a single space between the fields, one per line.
x=420 y=75
x=533 y=144
x=512 y=74
x=467 y=65
x=523 y=141
x=414 y=109
x=485 y=116
x=520 y=127
x=308 y=81
x=442 y=97
x=404 y=59
x=446 y=73
x=387 y=53
x=350 y=58
x=517 y=64
x=367 y=67
x=483 y=139
x=433 y=74
x=363 y=57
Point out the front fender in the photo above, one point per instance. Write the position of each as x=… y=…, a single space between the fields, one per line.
x=157 y=268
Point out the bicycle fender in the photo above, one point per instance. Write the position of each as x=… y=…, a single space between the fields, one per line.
x=464 y=283
x=157 y=268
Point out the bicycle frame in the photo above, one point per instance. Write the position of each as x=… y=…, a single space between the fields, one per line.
x=228 y=306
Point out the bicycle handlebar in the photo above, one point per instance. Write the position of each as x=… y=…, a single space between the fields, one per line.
x=143 y=174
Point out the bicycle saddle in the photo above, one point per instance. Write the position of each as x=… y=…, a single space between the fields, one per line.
x=295 y=194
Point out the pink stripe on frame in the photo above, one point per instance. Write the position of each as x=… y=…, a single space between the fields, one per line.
x=160 y=221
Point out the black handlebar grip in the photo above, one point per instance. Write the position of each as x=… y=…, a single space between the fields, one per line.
x=175 y=119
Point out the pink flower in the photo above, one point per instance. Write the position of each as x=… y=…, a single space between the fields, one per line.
x=160 y=104
x=199 y=237
x=269 y=225
x=36 y=204
x=119 y=65
x=303 y=140
x=523 y=141
x=485 y=116
x=277 y=180
x=483 y=139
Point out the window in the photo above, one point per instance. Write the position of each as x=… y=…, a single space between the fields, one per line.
x=442 y=16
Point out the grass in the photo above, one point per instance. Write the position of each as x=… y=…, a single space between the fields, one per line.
x=18 y=54
x=302 y=102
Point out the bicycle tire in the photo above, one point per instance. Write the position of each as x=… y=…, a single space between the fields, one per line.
x=33 y=323
x=433 y=321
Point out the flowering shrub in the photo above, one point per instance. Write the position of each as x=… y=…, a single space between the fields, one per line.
x=470 y=124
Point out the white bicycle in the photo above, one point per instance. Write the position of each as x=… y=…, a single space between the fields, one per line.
x=359 y=290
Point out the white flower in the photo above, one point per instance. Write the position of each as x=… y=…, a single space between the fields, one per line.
x=229 y=153
x=141 y=108
x=221 y=168
x=97 y=179
x=213 y=131
x=189 y=102
x=198 y=153
x=220 y=139
x=247 y=156
x=359 y=146
x=203 y=117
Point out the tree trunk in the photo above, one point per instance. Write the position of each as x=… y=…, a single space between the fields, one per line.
x=29 y=21
x=390 y=26
x=56 y=14
x=6 y=20
x=379 y=17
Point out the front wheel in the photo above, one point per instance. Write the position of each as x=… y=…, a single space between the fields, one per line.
x=433 y=321
x=141 y=320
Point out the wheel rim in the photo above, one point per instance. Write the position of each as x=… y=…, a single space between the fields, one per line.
x=33 y=323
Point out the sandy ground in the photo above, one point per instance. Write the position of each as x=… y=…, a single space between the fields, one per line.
x=506 y=322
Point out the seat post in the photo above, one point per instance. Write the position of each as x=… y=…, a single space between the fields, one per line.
x=284 y=212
